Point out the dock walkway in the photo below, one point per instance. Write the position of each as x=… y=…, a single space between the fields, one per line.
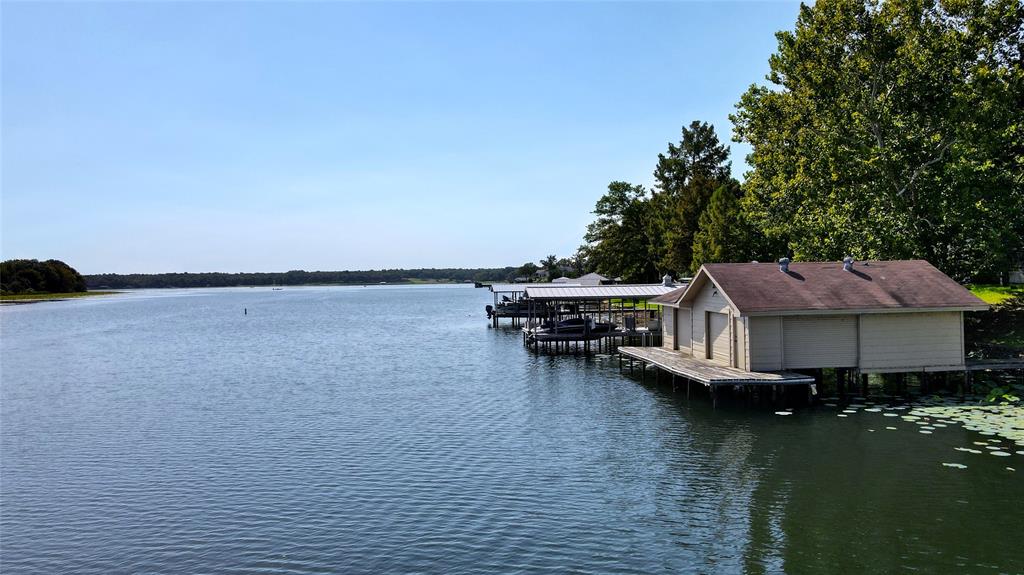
x=708 y=373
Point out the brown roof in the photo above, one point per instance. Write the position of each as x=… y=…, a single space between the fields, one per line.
x=669 y=298
x=825 y=286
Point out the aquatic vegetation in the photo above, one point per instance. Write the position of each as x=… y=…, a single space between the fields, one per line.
x=1005 y=421
x=997 y=423
x=955 y=465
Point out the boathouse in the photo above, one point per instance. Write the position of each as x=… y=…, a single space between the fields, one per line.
x=872 y=317
x=591 y=279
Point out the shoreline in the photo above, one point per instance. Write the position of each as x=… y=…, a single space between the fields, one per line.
x=35 y=298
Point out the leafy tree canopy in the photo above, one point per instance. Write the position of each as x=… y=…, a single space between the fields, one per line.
x=619 y=239
x=892 y=130
x=34 y=276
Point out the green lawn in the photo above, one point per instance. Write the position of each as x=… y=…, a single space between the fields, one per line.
x=995 y=294
x=51 y=296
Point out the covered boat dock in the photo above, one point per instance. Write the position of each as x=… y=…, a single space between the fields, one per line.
x=619 y=313
x=509 y=303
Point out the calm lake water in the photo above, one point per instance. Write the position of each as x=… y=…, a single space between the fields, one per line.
x=390 y=430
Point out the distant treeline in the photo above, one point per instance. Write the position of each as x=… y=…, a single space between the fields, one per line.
x=295 y=277
x=34 y=276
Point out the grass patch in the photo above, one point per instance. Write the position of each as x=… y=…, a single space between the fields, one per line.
x=998 y=332
x=628 y=304
x=52 y=296
x=995 y=294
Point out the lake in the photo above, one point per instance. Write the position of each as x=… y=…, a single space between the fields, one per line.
x=391 y=430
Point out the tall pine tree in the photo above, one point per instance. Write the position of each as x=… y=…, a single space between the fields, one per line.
x=687 y=175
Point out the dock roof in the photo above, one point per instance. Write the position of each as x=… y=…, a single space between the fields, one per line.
x=564 y=292
x=520 y=287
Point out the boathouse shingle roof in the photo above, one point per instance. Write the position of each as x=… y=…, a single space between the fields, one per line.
x=815 y=287
x=669 y=298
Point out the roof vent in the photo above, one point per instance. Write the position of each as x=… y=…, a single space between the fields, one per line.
x=848 y=263
x=784 y=265
x=667 y=281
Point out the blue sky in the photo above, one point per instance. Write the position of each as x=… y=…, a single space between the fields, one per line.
x=151 y=137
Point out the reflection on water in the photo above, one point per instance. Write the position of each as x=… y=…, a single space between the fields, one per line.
x=388 y=429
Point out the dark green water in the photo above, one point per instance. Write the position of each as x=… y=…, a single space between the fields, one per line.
x=390 y=430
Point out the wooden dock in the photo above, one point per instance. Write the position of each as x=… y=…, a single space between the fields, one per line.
x=994 y=364
x=708 y=373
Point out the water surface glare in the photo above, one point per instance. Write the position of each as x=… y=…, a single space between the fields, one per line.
x=390 y=430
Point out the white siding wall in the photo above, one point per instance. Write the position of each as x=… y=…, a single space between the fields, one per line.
x=819 y=341
x=911 y=341
x=765 y=334
x=668 y=330
x=705 y=302
x=739 y=330
x=683 y=326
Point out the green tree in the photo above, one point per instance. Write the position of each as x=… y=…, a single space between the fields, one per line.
x=892 y=130
x=722 y=235
x=550 y=264
x=620 y=244
x=687 y=174
x=580 y=262
x=527 y=270
x=34 y=276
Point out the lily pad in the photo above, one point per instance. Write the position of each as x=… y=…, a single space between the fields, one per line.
x=955 y=465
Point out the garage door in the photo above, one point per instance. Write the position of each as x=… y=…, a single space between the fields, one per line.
x=815 y=342
x=718 y=337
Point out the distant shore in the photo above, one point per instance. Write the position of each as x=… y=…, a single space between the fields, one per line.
x=38 y=297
